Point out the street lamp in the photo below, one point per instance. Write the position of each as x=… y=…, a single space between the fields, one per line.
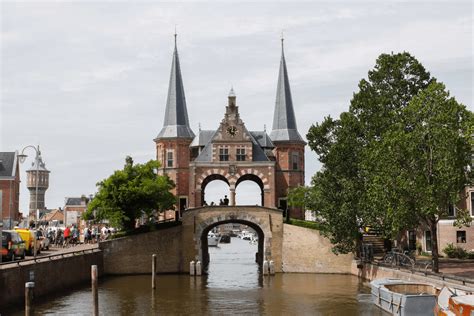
x=22 y=158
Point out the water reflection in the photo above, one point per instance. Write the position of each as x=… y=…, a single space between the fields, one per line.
x=233 y=286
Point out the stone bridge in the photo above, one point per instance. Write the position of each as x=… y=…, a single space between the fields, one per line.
x=267 y=222
x=292 y=248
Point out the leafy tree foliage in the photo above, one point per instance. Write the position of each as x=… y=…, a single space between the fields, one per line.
x=338 y=191
x=396 y=159
x=420 y=166
x=127 y=193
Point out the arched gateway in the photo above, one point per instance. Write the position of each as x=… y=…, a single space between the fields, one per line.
x=267 y=222
x=231 y=153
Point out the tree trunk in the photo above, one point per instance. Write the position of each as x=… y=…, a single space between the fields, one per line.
x=434 y=245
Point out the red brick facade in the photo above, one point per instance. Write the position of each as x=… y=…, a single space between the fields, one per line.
x=231 y=158
x=10 y=187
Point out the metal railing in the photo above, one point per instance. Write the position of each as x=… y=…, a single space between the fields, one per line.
x=57 y=256
x=423 y=271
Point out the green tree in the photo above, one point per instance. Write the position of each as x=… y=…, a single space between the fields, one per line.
x=122 y=197
x=420 y=166
x=338 y=192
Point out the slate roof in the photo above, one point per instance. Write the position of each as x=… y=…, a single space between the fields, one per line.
x=258 y=154
x=176 y=122
x=73 y=201
x=263 y=139
x=202 y=138
x=8 y=161
x=284 y=121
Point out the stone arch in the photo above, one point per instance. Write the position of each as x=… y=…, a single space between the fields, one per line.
x=256 y=179
x=256 y=173
x=214 y=172
x=262 y=228
x=210 y=178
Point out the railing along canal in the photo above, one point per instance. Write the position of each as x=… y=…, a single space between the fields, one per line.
x=48 y=258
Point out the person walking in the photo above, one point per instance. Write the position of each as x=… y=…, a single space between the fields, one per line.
x=67 y=236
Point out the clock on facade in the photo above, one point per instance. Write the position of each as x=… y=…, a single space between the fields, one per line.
x=232 y=130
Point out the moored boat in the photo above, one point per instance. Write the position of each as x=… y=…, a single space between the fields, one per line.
x=454 y=302
x=213 y=239
x=225 y=239
x=400 y=297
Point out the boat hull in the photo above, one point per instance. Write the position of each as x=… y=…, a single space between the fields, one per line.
x=403 y=298
x=213 y=241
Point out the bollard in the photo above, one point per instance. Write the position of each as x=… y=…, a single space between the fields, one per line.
x=198 y=268
x=192 y=268
x=265 y=267
x=271 y=267
x=95 y=291
x=153 y=271
x=29 y=293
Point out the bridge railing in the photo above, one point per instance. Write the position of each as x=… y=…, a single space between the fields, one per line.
x=24 y=262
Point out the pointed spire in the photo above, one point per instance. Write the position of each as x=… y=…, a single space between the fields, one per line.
x=176 y=123
x=284 y=122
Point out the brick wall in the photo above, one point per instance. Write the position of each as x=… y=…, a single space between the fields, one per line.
x=305 y=250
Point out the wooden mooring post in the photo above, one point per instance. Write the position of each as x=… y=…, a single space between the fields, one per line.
x=153 y=271
x=29 y=296
x=95 y=290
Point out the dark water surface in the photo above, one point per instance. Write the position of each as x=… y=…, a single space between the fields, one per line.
x=233 y=287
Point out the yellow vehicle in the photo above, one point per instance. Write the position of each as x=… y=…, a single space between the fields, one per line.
x=28 y=237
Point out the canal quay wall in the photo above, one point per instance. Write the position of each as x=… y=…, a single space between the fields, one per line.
x=296 y=249
x=51 y=275
x=306 y=251
x=133 y=254
x=369 y=272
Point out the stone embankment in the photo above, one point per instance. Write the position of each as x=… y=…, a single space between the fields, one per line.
x=52 y=274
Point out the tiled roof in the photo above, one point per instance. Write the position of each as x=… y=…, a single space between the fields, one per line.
x=8 y=164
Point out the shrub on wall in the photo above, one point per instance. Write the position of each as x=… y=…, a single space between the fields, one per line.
x=456 y=252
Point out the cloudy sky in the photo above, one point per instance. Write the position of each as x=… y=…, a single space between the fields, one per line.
x=88 y=80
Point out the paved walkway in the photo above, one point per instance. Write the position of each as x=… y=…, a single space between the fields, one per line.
x=462 y=268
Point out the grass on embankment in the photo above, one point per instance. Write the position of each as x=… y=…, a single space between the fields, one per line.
x=305 y=224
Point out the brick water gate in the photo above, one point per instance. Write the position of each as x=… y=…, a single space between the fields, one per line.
x=231 y=153
x=267 y=222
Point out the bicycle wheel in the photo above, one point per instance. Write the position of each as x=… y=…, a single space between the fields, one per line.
x=388 y=258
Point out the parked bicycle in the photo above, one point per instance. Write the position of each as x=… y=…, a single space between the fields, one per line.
x=398 y=258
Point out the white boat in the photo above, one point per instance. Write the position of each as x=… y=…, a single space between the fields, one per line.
x=404 y=298
x=212 y=239
x=453 y=301
x=246 y=235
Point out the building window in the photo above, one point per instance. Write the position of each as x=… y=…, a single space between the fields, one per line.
x=295 y=157
x=169 y=159
x=472 y=203
x=428 y=240
x=451 y=211
x=461 y=236
x=240 y=154
x=224 y=154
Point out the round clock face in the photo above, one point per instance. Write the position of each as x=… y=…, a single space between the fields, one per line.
x=232 y=130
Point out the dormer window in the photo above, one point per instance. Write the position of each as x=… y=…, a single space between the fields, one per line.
x=241 y=154
x=224 y=153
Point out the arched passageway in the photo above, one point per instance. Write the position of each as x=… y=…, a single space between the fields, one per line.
x=259 y=256
x=249 y=190
x=214 y=188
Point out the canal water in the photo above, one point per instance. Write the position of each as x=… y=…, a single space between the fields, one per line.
x=233 y=286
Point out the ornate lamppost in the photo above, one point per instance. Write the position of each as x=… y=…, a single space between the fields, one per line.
x=22 y=158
